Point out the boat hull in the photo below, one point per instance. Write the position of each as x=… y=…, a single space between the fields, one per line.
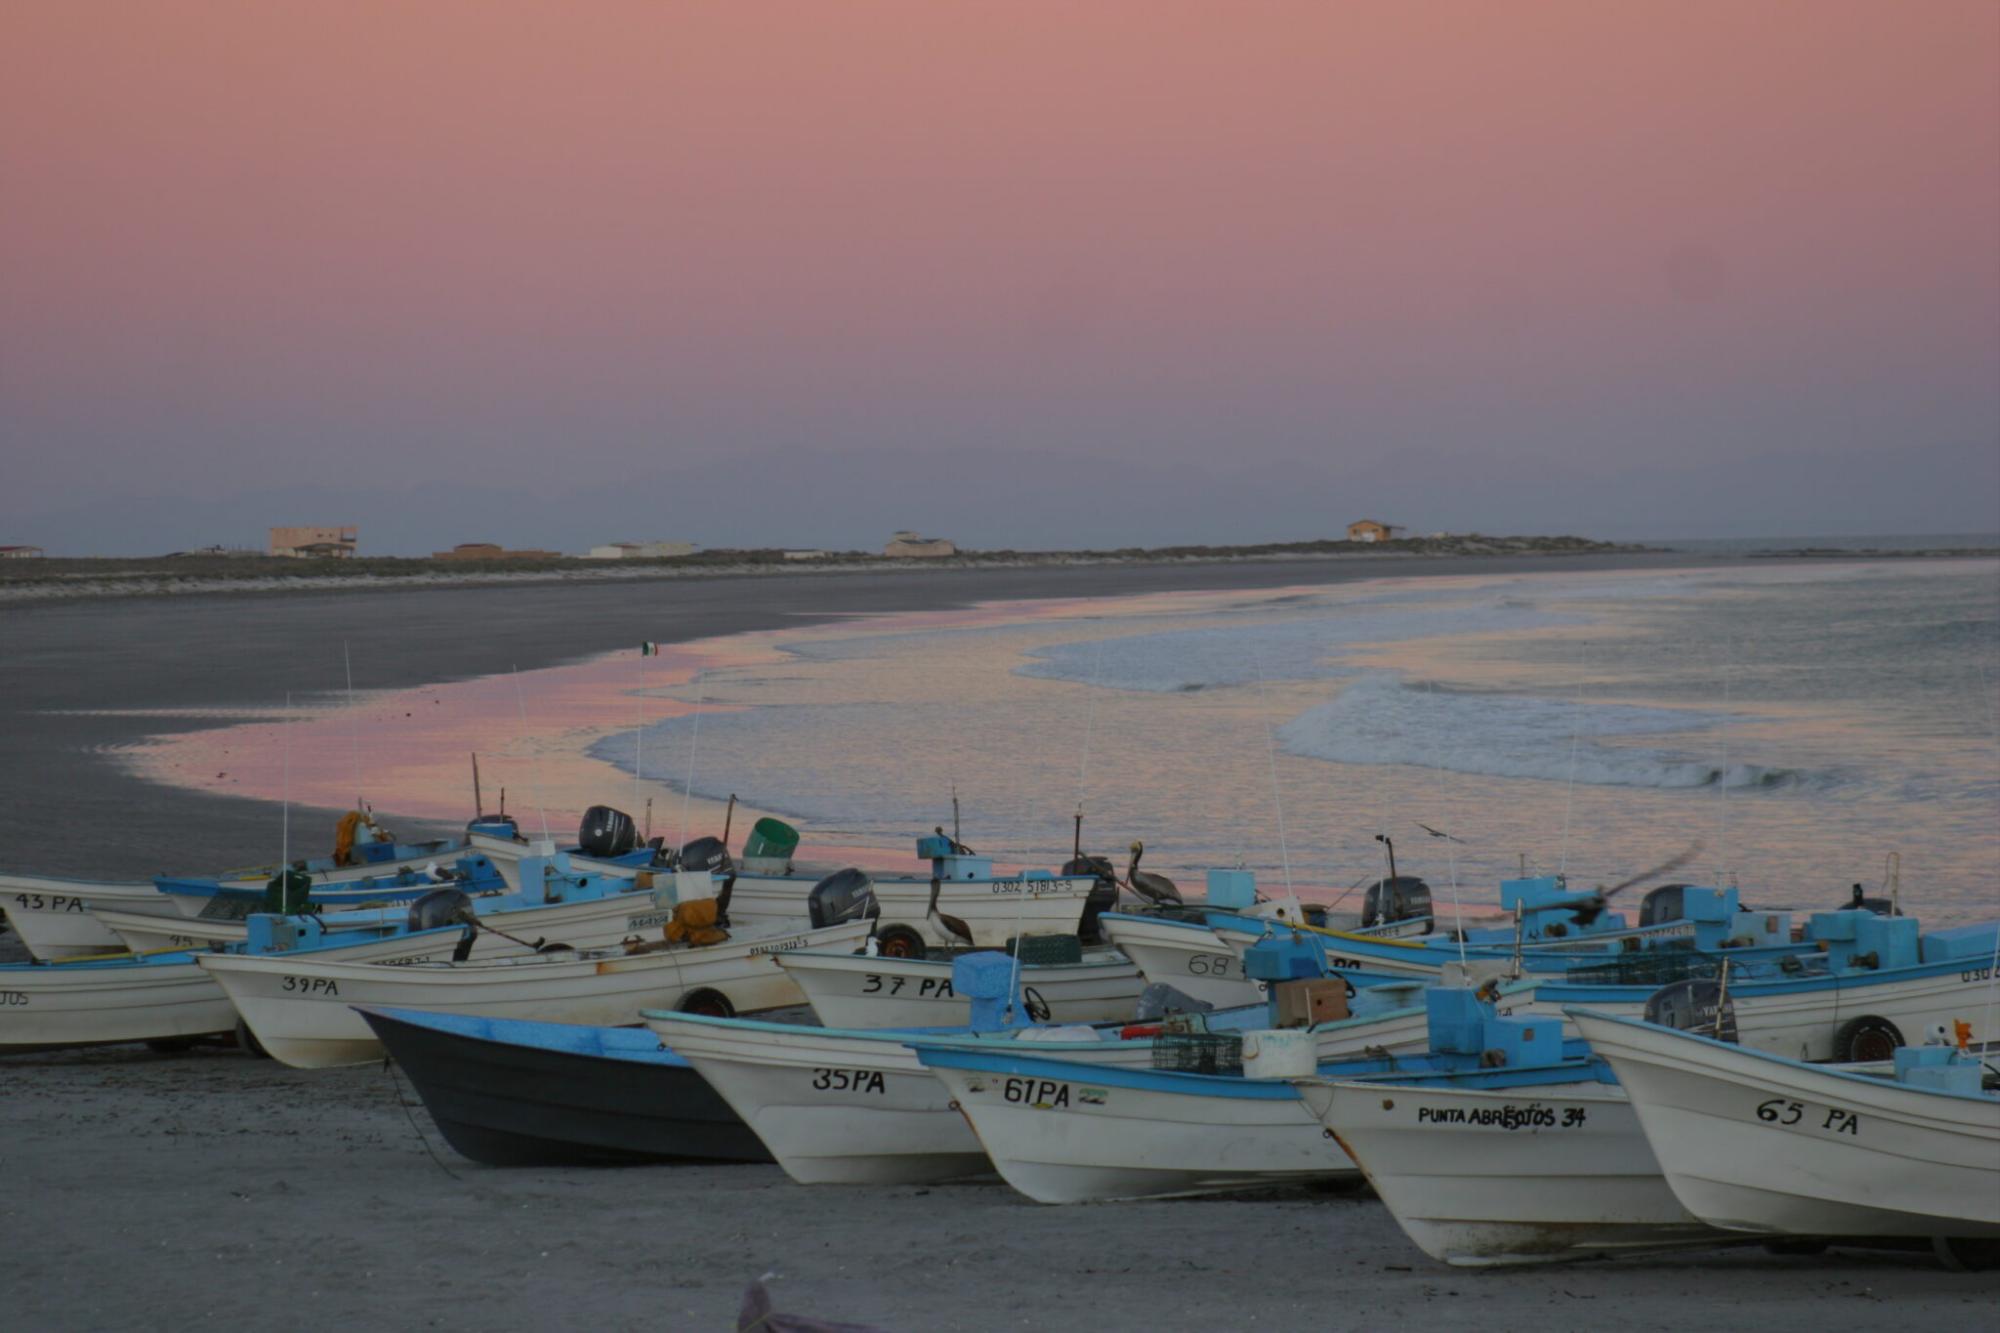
x=535 y=1094
x=53 y=917
x=1526 y=1175
x=1803 y=1021
x=832 y=1108
x=1751 y=1142
x=1083 y=1138
x=1190 y=957
x=101 y=1003
x=299 y=1007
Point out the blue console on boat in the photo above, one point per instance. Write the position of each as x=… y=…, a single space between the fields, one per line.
x=987 y=979
x=1938 y=1068
x=1232 y=890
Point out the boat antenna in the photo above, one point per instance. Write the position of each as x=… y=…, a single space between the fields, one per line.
x=1892 y=878
x=694 y=743
x=1083 y=764
x=1076 y=843
x=639 y=734
x=1722 y=783
x=1575 y=736
x=1277 y=797
x=478 y=801
x=285 y=834
x=954 y=814
x=728 y=818
x=1451 y=856
x=534 y=763
x=353 y=721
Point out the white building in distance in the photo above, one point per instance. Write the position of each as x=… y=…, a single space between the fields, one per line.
x=909 y=545
x=658 y=550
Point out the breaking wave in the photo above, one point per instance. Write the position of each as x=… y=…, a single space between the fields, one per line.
x=1376 y=719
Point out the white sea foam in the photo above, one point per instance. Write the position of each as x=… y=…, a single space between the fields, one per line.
x=1376 y=719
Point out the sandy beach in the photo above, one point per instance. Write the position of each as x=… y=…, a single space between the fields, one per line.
x=148 y=1189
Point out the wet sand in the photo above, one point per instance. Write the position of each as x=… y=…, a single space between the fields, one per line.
x=146 y=1190
x=78 y=680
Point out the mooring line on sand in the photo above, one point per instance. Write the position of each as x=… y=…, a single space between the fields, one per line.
x=389 y=1068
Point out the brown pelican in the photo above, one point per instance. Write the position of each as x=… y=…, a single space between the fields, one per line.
x=1587 y=911
x=951 y=924
x=1153 y=888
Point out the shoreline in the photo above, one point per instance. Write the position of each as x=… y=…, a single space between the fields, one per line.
x=84 y=680
x=160 y=577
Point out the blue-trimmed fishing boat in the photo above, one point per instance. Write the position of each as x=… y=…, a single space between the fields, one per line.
x=510 y=1092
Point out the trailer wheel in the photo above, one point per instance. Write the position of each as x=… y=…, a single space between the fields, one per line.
x=899 y=942
x=1866 y=1038
x=713 y=1003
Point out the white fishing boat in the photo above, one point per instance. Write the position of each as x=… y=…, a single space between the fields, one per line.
x=849 y=990
x=298 y=1008
x=165 y=1000
x=1759 y=1143
x=961 y=902
x=1887 y=983
x=1504 y=1168
x=833 y=1106
x=52 y=915
x=596 y=921
x=1061 y=1134
x=1186 y=955
x=165 y=996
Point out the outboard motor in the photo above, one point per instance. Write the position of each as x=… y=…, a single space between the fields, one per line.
x=607 y=832
x=1689 y=1006
x=703 y=854
x=1860 y=902
x=845 y=895
x=1664 y=904
x=1103 y=895
x=1402 y=898
x=439 y=907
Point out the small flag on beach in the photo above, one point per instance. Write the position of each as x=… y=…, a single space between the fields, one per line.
x=649 y=649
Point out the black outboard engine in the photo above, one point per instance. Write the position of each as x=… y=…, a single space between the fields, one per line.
x=703 y=854
x=607 y=832
x=439 y=907
x=1879 y=906
x=1689 y=1006
x=1103 y=895
x=1664 y=904
x=1403 y=898
x=845 y=895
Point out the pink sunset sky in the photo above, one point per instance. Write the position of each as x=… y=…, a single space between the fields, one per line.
x=1029 y=274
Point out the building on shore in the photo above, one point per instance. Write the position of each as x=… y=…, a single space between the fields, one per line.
x=491 y=551
x=805 y=555
x=908 y=545
x=657 y=550
x=216 y=552
x=21 y=552
x=315 y=542
x=1368 y=530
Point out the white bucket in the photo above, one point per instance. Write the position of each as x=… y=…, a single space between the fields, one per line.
x=1279 y=1053
x=693 y=885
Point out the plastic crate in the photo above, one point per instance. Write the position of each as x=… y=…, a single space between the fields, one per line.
x=1198 y=1053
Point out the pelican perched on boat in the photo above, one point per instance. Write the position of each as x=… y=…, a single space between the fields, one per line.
x=944 y=920
x=1156 y=889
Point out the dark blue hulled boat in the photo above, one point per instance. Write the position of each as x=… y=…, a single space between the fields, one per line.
x=508 y=1092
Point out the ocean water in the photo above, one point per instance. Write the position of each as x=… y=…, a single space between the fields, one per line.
x=1792 y=728
x=1806 y=728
